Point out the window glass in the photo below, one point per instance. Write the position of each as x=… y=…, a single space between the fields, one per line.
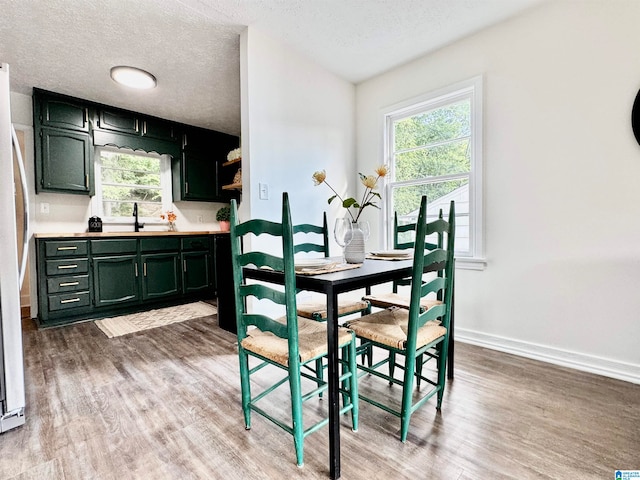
x=434 y=150
x=126 y=177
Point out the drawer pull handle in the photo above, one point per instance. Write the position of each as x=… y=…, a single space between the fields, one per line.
x=71 y=300
x=69 y=284
x=62 y=267
x=67 y=248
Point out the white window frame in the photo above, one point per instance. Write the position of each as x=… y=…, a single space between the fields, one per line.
x=473 y=90
x=165 y=184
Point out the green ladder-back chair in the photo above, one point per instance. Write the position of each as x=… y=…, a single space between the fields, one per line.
x=311 y=235
x=288 y=342
x=393 y=298
x=415 y=333
x=313 y=310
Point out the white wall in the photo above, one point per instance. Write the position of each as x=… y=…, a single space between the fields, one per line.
x=562 y=203
x=296 y=118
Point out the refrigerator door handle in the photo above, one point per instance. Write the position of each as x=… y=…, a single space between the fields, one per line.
x=25 y=200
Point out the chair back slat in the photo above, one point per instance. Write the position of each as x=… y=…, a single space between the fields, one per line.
x=259 y=227
x=432 y=286
x=262 y=292
x=309 y=247
x=261 y=259
x=266 y=324
x=320 y=245
x=433 y=313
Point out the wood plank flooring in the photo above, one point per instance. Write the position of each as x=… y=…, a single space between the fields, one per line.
x=165 y=404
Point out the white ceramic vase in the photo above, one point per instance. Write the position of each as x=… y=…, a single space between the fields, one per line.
x=354 y=252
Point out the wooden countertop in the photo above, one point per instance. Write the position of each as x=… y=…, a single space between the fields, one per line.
x=124 y=234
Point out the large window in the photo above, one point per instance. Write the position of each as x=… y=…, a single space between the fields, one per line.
x=124 y=177
x=434 y=148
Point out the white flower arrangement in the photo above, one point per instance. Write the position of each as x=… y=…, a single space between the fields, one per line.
x=234 y=154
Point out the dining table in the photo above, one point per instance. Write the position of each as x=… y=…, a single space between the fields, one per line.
x=370 y=273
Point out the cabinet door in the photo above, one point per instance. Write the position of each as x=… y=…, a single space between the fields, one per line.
x=115 y=280
x=196 y=274
x=64 y=161
x=199 y=177
x=159 y=129
x=160 y=275
x=123 y=122
x=63 y=113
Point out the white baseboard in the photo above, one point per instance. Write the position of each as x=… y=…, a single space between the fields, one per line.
x=587 y=363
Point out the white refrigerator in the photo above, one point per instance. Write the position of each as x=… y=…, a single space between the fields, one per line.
x=12 y=394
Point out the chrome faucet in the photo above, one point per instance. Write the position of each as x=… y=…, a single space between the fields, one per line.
x=136 y=225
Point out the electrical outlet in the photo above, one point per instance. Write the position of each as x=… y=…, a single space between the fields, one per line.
x=199 y=218
x=44 y=208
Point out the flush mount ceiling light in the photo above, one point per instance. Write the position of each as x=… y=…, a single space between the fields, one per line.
x=133 y=77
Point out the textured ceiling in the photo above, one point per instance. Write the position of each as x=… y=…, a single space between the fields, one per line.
x=192 y=46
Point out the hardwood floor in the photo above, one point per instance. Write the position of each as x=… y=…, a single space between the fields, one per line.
x=164 y=404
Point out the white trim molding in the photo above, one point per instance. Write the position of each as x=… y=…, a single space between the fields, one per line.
x=579 y=361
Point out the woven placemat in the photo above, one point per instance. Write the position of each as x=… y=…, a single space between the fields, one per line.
x=330 y=269
x=378 y=257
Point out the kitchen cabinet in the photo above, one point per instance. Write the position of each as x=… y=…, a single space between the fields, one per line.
x=197 y=175
x=63 y=146
x=63 y=279
x=196 y=267
x=96 y=277
x=160 y=257
x=118 y=121
x=64 y=161
x=115 y=272
x=61 y=112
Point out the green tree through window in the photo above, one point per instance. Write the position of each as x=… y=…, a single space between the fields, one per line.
x=431 y=151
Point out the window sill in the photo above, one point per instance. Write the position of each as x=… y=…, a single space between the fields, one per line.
x=471 y=263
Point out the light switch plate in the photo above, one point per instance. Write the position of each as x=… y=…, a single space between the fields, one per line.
x=263 y=191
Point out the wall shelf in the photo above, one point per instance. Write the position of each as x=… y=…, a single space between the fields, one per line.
x=232 y=186
x=231 y=162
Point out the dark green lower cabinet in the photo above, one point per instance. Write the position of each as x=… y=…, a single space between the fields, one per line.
x=160 y=275
x=196 y=276
x=115 y=280
x=97 y=277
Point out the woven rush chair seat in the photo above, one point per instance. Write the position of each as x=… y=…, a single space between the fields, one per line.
x=318 y=310
x=390 y=326
x=312 y=342
x=386 y=300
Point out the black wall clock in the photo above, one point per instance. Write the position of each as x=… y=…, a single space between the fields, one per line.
x=635 y=117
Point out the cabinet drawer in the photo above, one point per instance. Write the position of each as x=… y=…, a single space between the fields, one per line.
x=67 y=248
x=68 y=300
x=195 y=243
x=159 y=244
x=67 y=266
x=108 y=247
x=71 y=283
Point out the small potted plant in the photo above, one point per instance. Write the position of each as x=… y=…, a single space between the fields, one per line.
x=223 y=216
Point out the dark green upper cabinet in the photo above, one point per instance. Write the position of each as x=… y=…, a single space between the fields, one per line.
x=63 y=146
x=68 y=129
x=64 y=161
x=123 y=122
x=197 y=175
x=155 y=128
x=62 y=113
